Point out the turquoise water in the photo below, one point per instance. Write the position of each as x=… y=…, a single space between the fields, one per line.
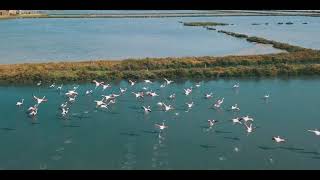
x=72 y=39
x=124 y=137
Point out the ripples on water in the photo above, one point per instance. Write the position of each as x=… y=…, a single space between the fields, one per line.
x=124 y=137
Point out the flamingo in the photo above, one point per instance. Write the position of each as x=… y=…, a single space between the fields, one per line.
x=71 y=93
x=168 y=81
x=190 y=105
x=72 y=99
x=172 y=96
x=212 y=122
x=89 y=92
x=160 y=103
x=236 y=120
x=33 y=113
x=123 y=90
x=52 y=85
x=161 y=126
x=65 y=111
x=99 y=103
x=246 y=118
x=198 y=84
x=266 y=96
x=235 y=107
x=39 y=83
x=60 y=87
x=106 y=86
x=187 y=91
x=40 y=100
x=33 y=108
x=208 y=96
x=20 y=103
x=147 y=81
x=162 y=85
x=138 y=95
x=249 y=128
x=278 y=139
x=146 y=109
x=132 y=83
x=97 y=83
x=63 y=105
x=316 y=132
x=167 y=107
x=237 y=85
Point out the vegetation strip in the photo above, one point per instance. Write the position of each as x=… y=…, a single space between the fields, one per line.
x=298 y=61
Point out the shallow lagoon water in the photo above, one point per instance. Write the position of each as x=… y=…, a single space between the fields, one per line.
x=123 y=137
x=76 y=39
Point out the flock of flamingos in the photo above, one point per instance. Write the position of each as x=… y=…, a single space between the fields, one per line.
x=108 y=100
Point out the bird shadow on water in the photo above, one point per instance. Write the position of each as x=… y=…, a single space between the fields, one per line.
x=267 y=148
x=207 y=147
x=222 y=132
x=7 y=129
x=150 y=132
x=232 y=138
x=132 y=134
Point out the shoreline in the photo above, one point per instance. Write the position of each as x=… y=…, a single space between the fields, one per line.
x=220 y=13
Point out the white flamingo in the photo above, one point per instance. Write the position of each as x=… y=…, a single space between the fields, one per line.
x=316 y=132
x=64 y=111
x=236 y=120
x=106 y=86
x=153 y=94
x=72 y=99
x=187 y=91
x=33 y=113
x=266 y=96
x=235 y=107
x=219 y=103
x=89 y=92
x=147 y=81
x=60 y=87
x=97 y=83
x=208 y=96
x=160 y=103
x=190 y=105
x=33 y=108
x=138 y=95
x=20 y=103
x=167 y=107
x=39 y=83
x=246 y=118
x=71 y=93
x=168 y=81
x=249 y=128
x=162 y=85
x=52 y=85
x=63 y=105
x=198 y=85
x=146 y=109
x=172 y=96
x=161 y=126
x=212 y=122
x=237 y=85
x=122 y=91
x=99 y=103
x=40 y=100
x=132 y=83
x=278 y=139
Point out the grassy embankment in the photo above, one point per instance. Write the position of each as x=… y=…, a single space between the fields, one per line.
x=296 y=61
x=24 y=16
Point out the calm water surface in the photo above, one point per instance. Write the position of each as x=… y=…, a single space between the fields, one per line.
x=124 y=137
x=75 y=39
